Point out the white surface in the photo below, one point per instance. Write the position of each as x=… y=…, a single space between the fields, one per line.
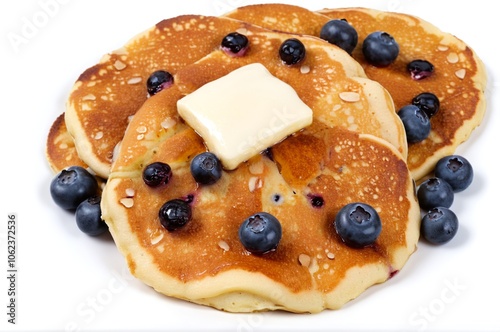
x=68 y=281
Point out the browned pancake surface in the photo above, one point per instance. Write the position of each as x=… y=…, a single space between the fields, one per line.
x=459 y=79
x=204 y=262
x=106 y=95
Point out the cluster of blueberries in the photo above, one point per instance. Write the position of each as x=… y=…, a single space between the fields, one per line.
x=380 y=49
x=452 y=174
x=259 y=233
x=76 y=189
x=358 y=224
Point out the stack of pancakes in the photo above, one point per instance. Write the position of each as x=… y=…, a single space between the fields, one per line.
x=354 y=151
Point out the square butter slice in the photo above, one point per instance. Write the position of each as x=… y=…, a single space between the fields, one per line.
x=243 y=113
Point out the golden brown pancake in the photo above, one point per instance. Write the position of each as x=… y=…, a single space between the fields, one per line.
x=340 y=158
x=459 y=79
x=60 y=147
x=204 y=262
x=106 y=95
x=329 y=81
x=450 y=127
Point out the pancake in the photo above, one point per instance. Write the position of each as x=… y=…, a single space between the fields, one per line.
x=329 y=81
x=60 y=148
x=459 y=79
x=354 y=151
x=106 y=95
x=450 y=127
x=311 y=269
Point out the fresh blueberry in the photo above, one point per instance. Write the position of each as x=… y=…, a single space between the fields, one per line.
x=456 y=170
x=156 y=174
x=358 y=224
x=340 y=33
x=435 y=192
x=174 y=214
x=415 y=122
x=439 y=225
x=158 y=81
x=88 y=217
x=427 y=102
x=292 y=51
x=72 y=186
x=260 y=233
x=206 y=168
x=380 y=49
x=235 y=44
x=420 y=69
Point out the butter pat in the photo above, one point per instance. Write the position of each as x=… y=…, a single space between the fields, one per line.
x=243 y=113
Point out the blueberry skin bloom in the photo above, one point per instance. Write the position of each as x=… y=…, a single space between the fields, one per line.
x=88 y=217
x=435 y=192
x=439 y=225
x=206 y=168
x=456 y=170
x=260 y=233
x=380 y=49
x=72 y=186
x=358 y=224
x=416 y=123
x=340 y=33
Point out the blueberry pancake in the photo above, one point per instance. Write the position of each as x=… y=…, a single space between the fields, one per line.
x=106 y=95
x=458 y=80
x=183 y=237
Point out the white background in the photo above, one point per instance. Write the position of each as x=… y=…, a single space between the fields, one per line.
x=68 y=280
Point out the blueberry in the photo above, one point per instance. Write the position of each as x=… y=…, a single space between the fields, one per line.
x=340 y=33
x=158 y=81
x=88 y=217
x=235 y=44
x=427 y=102
x=358 y=224
x=456 y=170
x=206 y=168
x=420 y=69
x=435 y=192
x=292 y=51
x=156 y=174
x=72 y=186
x=260 y=233
x=415 y=122
x=174 y=214
x=439 y=225
x=380 y=49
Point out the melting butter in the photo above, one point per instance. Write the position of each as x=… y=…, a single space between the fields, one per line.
x=243 y=113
